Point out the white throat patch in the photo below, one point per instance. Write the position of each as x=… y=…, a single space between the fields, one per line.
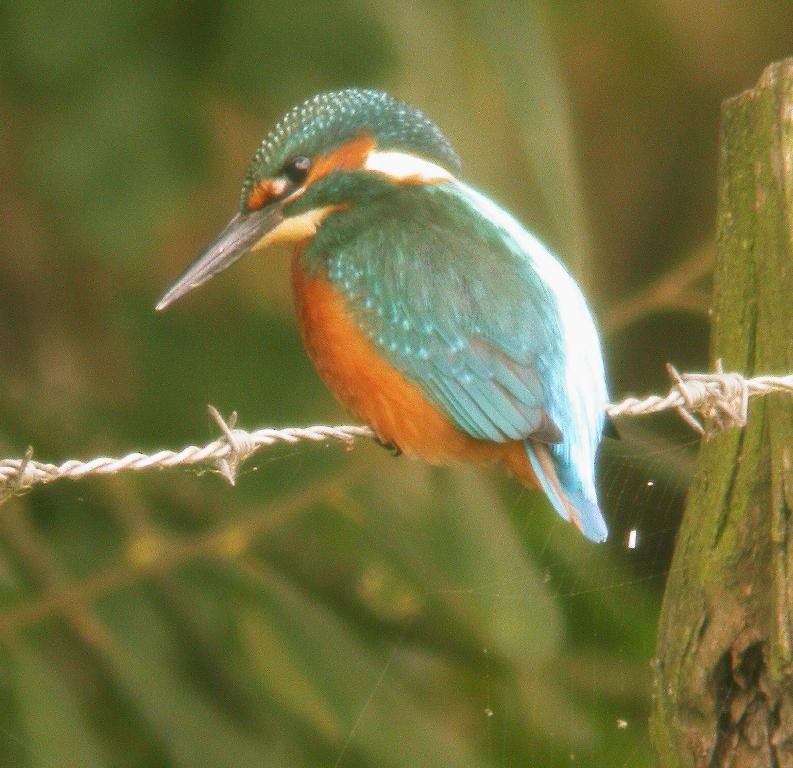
x=295 y=228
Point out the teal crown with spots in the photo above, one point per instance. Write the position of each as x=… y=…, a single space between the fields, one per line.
x=329 y=119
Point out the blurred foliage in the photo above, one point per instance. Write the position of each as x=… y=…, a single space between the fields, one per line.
x=335 y=608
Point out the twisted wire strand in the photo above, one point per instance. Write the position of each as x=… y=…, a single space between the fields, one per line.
x=720 y=399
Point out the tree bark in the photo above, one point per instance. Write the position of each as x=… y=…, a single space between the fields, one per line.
x=723 y=691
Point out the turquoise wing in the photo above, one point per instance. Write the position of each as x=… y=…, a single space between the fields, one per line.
x=467 y=304
x=454 y=309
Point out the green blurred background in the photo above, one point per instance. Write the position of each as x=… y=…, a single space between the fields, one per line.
x=335 y=608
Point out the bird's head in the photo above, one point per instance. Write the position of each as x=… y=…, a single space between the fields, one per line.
x=332 y=152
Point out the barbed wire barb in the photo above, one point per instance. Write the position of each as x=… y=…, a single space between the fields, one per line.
x=719 y=399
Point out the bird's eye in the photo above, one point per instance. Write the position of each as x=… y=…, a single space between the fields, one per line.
x=297 y=169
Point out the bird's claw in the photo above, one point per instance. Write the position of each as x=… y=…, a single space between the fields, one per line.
x=390 y=446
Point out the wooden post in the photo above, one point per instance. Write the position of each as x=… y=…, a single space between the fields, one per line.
x=723 y=692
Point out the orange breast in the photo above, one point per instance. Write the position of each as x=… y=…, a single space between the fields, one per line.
x=378 y=394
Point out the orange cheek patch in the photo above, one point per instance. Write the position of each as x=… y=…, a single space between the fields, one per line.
x=263 y=191
x=348 y=156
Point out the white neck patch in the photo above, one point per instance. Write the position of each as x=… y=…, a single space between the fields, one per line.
x=406 y=168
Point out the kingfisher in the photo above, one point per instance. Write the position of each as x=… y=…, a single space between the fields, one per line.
x=430 y=312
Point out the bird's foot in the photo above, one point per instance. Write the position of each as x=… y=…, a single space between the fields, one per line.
x=610 y=430
x=391 y=447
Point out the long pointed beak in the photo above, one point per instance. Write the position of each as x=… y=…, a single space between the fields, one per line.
x=236 y=239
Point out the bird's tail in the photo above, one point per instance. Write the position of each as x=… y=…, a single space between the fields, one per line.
x=569 y=499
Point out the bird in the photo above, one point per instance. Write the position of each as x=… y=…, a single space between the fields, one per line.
x=429 y=311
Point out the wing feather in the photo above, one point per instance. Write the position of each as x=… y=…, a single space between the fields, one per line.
x=456 y=306
x=471 y=307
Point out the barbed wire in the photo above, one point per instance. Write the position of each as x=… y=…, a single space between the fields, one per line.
x=721 y=400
